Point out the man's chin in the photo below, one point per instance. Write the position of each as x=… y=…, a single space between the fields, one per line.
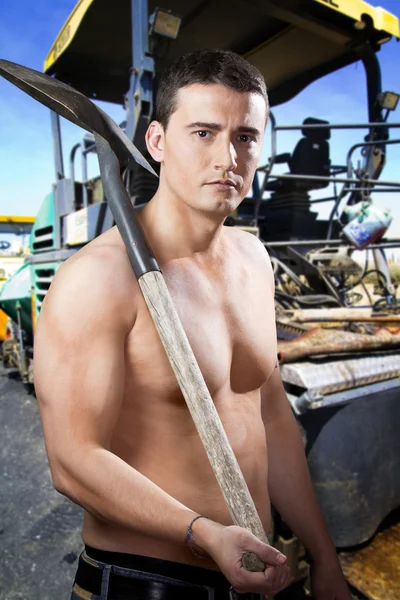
x=220 y=206
x=218 y=212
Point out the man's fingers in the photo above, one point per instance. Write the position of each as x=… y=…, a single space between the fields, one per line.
x=277 y=578
x=268 y=554
x=272 y=580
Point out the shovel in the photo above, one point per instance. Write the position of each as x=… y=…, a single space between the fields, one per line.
x=116 y=151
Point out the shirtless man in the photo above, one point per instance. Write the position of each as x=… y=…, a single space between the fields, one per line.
x=120 y=440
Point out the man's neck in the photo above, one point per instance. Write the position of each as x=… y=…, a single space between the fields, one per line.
x=175 y=230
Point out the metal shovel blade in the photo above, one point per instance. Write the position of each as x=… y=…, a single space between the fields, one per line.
x=74 y=106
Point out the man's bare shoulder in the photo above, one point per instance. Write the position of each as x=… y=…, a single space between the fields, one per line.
x=99 y=276
x=250 y=248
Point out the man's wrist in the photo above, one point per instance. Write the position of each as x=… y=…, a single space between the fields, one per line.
x=326 y=555
x=204 y=532
x=319 y=545
x=191 y=542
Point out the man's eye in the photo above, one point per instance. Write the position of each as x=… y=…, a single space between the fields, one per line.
x=203 y=134
x=245 y=138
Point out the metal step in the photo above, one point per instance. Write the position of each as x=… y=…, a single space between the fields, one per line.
x=333 y=375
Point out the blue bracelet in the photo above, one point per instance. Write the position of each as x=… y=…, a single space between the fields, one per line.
x=190 y=539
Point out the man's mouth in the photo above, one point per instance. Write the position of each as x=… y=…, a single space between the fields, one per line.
x=227 y=183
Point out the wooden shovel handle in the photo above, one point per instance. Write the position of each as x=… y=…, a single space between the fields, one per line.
x=203 y=411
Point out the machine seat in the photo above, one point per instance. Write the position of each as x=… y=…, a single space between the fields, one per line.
x=311 y=156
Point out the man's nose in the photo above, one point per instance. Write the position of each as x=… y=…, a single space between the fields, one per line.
x=225 y=158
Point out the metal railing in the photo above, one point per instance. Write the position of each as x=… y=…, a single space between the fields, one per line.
x=350 y=184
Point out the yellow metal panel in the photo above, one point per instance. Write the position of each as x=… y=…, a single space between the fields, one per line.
x=67 y=33
x=375 y=570
x=23 y=220
x=3 y=324
x=33 y=314
x=355 y=9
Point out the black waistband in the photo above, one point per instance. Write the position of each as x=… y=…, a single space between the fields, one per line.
x=166 y=568
x=137 y=577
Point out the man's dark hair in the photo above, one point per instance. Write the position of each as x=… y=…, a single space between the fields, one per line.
x=206 y=67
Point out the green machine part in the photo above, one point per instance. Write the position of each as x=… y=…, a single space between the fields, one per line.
x=24 y=292
x=43 y=234
x=41 y=276
x=43 y=240
x=15 y=296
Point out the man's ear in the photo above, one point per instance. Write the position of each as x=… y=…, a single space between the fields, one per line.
x=155 y=141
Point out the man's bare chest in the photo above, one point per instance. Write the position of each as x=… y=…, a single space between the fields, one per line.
x=229 y=322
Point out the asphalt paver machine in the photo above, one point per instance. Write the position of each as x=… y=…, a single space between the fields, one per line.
x=340 y=360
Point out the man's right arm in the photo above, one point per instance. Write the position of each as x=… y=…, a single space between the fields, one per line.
x=79 y=374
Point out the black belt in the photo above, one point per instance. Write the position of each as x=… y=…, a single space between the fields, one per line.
x=138 y=584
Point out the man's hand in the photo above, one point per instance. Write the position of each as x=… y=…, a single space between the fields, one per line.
x=227 y=545
x=328 y=582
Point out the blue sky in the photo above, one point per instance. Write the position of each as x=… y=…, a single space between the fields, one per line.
x=27 y=31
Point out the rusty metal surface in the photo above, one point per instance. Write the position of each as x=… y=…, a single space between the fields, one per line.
x=375 y=570
x=287 y=331
x=324 y=341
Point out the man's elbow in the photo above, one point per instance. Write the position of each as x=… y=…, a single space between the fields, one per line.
x=60 y=478
x=66 y=471
x=57 y=450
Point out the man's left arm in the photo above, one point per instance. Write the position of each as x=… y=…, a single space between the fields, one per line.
x=292 y=493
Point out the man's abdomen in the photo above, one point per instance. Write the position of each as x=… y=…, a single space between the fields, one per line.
x=178 y=465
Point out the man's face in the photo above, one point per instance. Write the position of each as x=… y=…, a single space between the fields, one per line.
x=211 y=147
